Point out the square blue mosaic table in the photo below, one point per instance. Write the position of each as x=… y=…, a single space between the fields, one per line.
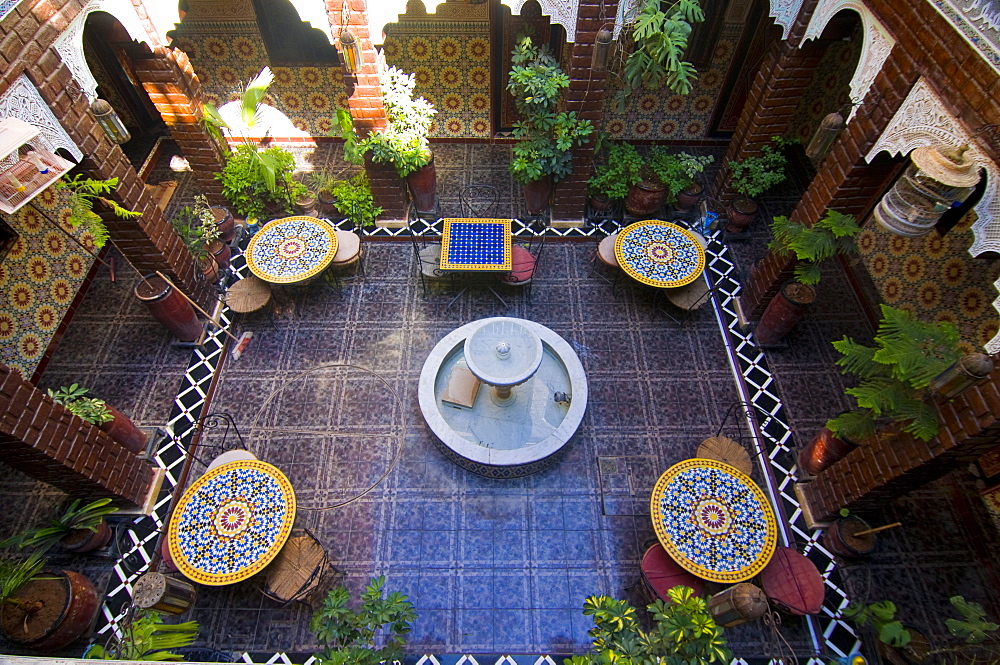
x=476 y=244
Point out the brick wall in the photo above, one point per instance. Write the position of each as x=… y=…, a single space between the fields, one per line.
x=42 y=439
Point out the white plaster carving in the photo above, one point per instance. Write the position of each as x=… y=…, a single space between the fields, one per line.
x=562 y=12
x=875 y=45
x=23 y=101
x=69 y=44
x=784 y=13
x=923 y=120
x=627 y=11
x=314 y=13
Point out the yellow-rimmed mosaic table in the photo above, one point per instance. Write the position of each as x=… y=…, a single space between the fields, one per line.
x=231 y=522
x=659 y=254
x=713 y=520
x=476 y=244
x=291 y=249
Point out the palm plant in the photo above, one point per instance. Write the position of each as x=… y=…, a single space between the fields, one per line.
x=811 y=245
x=16 y=572
x=75 y=518
x=146 y=637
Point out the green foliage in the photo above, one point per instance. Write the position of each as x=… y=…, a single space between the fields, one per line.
x=881 y=616
x=675 y=170
x=353 y=153
x=372 y=634
x=973 y=627
x=754 y=175
x=83 y=193
x=660 y=38
x=253 y=178
x=546 y=136
x=197 y=227
x=354 y=199
x=625 y=167
x=15 y=572
x=75 y=517
x=683 y=632
x=94 y=411
x=814 y=244
x=251 y=100
x=403 y=143
x=146 y=638
x=907 y=355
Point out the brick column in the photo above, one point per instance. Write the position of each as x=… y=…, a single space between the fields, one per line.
x=886 y=469
x=44 y=440
x=586 y=95
x=174 y=88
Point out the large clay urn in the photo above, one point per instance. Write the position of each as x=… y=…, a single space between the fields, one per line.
x=124 y=431
x=740 y=214
x=52 y=611
x=169 y=307
x=537 y=194
x=823 y=451
x=645 y=198
x=784 y=311
x=226 y=223
x=423 y=186
x=688 y=197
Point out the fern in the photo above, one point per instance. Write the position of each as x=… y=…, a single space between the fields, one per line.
x=857 y=359
x=828 y=237
x=83 y=193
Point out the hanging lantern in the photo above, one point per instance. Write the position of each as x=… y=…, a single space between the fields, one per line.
x=109 y=121
x=602 y=50
x=825 y=135
x=938 y=179
x=350 y=49
x=969 y=370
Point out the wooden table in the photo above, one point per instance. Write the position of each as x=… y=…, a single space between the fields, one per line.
x=476 y=245
x=713 y=520
x=292 y=249
x=231 y=522
x=659 y=254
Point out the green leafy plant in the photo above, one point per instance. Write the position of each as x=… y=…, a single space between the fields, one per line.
x=683 y=632
x=94 y=411
x=146 y=638
x=354 y=199
x=675 y=170
x=973 y=627
x=403 y=143
x=75 y=518
x=626 y=167
x=620 y=170
x=812 y=245
x=754 y=175
x=197 y=227
x=546 y=136
x=83 y=193
x=881 y=616
x=907 y=355
x=374 y=633
x=15 y=572
x=246 y=188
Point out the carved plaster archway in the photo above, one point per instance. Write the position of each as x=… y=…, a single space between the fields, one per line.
x=923 y=120
x=70 y=43
x=875 y=45
x=784 y=12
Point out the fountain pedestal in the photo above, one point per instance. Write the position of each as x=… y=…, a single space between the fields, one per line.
x=503 y=353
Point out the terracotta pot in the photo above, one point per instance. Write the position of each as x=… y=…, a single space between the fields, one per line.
x=226 y=223
x=423 y=187
x=125 y=432
x=600 y=203
x=840 y=540
x=823 y=451
x=306 y=205
x=169 y=307
x=645 y=198
x=81 y=541
x=327 y=202
x=208 y=268
x=221 y=252
x=63 y=607
x=784 y=311
x=688 y=197
x=740 y=214
x=537 y=194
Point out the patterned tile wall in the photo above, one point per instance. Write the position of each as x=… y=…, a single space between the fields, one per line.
x=830 y=88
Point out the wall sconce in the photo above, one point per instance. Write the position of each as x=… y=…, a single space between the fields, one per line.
x=938 y=179
x=109 y=121
x=968 y=371
x=350 y=49
x=602 y=49
x=825 y=135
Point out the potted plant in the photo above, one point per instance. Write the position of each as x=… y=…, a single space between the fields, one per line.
x=374 y=633
x=893 y=377
x=682 y=632
x=83 y=193
x=403 y=143
x=849 y=536
x=354 y=199
x=145 y=637
x=97 y=412
x=810 y=245
x=81 y=528
x=610 y=182
x=751 y=177
x=542 y=155
x=663 y=176
x=198 y=229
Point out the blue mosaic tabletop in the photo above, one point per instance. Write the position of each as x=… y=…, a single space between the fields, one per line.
x=291 y=249
x=476 y=244
x=231 y=522
x=713 y=520
x=660 y=254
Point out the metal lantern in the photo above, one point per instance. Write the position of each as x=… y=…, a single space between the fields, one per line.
x=602 y=49
x=825 y=135
x=938 y=179
x=969 y=370
x=738 y=604
x=350 y=49
x=109 y=121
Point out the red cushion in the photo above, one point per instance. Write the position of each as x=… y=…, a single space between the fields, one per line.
x=523 y=266
x=663 y=573
x=792 y=582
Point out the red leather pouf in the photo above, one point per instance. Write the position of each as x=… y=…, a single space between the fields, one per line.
x=663 y=573
x=792 y=582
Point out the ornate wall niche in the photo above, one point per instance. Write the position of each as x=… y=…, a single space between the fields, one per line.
x=923 y=120
x=22 y=101
x=784 y=13
x=875 y=46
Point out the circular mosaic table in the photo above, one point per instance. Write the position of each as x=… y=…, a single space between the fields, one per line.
x=291 y=249
x=713 y=520
x=660 y=254
x=231 y=522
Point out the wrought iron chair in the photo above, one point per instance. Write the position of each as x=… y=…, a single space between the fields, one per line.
x=525 y=256
x=479 y=201
x=427 y=253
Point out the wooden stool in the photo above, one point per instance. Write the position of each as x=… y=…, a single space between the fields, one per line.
x=299 y=572
x=157 y=592
x=248 y=295
x=725 y=450
x=605 y=257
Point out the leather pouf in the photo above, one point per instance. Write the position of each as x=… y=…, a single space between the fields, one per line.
x=792 y=582
x=663 y=573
